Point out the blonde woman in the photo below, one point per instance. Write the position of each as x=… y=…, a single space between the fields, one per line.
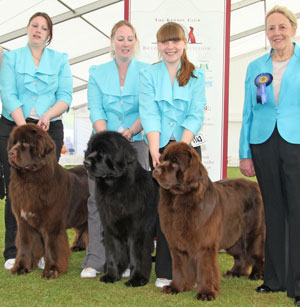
x=114 y=105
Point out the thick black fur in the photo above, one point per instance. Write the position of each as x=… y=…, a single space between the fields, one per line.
x=127 y=198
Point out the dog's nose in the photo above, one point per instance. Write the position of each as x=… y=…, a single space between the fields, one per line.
x=87 y=163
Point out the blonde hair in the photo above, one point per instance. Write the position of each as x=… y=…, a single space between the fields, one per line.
x=174 y=31
x=284 y=11
x=118 y=25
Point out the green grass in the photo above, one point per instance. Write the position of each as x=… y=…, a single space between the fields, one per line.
x=71 y=290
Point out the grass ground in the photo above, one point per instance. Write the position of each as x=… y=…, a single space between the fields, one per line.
x=71 y=290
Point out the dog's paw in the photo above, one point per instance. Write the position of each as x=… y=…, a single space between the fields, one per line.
x=169 y=290
x=136 y=282
x=232 y=274
x=108 y=278
x=206 y=296
x=51 y=273
x=256 y=276
x=20 y=270
x=77 y=248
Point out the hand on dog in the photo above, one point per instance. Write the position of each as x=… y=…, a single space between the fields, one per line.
x=155 y=158
x=44 y=122
x=127 y=133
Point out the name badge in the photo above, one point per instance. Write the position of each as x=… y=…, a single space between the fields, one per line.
x=198 y=140
x=262 y=81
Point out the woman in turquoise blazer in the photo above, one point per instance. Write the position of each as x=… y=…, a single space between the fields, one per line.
x=171 y=110
x=172 y=101
x=107 y=101
x=36 y=86
x=259 y=120
x=114 y=105
x=270 y=149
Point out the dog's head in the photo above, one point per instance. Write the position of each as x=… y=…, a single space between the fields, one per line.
x=109 y=156
x=180 y=169
x=29 y=148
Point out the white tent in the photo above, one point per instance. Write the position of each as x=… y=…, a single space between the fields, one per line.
x=82 y=29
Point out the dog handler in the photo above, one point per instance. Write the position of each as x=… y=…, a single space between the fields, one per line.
x=172 y=100
x=114 y=105
x=270 y=149
x=36 y=86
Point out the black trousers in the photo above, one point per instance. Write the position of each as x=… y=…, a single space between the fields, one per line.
x=277 y=167
x=6 y=126
x=163 y=261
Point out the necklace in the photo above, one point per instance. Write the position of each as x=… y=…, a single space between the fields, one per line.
x=122 y=78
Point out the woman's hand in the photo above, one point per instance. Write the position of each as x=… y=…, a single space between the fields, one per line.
x=155 y=158
x=247 y=167
x=153 y=140
x=128 y=134
x=44 y=122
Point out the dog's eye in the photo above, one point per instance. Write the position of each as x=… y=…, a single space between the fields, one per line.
x=174 y=160
x=164 y=158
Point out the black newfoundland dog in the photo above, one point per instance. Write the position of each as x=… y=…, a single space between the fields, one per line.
x=127 y=199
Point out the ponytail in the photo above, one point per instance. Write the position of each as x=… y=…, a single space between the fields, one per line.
x=186 y=70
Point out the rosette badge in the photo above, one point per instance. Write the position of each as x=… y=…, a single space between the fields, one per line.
x=262 y=81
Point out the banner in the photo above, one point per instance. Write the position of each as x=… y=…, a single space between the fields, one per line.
x=205 y=26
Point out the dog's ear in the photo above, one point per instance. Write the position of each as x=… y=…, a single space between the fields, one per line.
x=44 y=143
x=11 y=140
x=195 y=170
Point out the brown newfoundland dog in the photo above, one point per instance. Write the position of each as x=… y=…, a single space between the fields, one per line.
x=46 y=199
x=199 y=217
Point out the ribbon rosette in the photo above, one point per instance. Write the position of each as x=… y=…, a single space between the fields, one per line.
x=262 y=81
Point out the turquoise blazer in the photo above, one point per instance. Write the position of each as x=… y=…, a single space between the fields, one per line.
x=105 y=100
x=23 y=85
x=169 y=110
x=259 y=120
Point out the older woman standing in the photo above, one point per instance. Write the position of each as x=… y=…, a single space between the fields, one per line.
x=270 y=148
x=36 y=86
x=114 y=105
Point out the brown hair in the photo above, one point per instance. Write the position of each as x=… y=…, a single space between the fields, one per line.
x=174 y=31
x=286 y=12
x=49 y=24
x=117 y=26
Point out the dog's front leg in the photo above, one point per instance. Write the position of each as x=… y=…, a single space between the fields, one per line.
x=113 y=253
x=140 y=259
x=24 y=242
x=57 y=253
x=183 y=272
x=208 y=273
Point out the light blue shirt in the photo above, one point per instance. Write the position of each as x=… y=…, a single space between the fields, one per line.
x=169 y=110
x=106 y=101
x=259 y=120
x=24 y=85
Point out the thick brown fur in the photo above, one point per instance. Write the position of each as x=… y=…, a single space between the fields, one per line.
x=199 y=217
x=46 y=199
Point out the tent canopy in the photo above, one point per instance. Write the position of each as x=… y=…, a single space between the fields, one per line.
x=82 y=29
